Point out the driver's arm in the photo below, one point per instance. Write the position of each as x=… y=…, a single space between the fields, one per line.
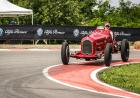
x=112 y=35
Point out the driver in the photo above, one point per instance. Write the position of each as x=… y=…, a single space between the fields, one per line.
x=107 y=29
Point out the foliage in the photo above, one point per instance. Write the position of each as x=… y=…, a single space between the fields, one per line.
x=126 y=77
x=78 y=12
x=126 y=15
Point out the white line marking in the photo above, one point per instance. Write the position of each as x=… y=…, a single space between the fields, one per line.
x=34 y=49
x=46 y=74
x=28 y=49
x=4 y=49
x=94 y=78
x=39 y=49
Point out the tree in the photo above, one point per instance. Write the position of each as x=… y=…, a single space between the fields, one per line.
x=99 y=11
x=79 y=12
x=61 y=12
x=87 y=8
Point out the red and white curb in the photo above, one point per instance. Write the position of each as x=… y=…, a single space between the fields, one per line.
x=72 y=77
x=46 y=74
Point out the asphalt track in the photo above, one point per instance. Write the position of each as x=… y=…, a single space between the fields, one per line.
x=21 y=76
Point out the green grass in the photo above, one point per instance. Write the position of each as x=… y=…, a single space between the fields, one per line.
x=126 y=77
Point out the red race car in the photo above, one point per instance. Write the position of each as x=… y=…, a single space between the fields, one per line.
x=96 y=45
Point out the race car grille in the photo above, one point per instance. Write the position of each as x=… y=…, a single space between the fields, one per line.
x=86 y=47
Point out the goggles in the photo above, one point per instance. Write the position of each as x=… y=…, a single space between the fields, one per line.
x=107 y=26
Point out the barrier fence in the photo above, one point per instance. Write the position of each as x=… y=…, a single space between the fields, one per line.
x=37 y=32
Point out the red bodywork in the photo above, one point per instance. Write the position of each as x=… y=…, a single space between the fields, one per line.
x=93 y=45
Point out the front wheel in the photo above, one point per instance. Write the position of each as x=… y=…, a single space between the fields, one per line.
x=108 y=54
x=65 y=53
x=125 y=50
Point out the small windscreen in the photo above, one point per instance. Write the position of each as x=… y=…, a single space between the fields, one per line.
x=100 y=27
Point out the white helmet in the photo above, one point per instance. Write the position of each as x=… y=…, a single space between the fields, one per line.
x=107 y=24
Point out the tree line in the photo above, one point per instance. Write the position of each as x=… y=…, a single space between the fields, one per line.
x=78 y=12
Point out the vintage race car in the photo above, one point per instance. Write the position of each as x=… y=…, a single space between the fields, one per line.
x=96 y=45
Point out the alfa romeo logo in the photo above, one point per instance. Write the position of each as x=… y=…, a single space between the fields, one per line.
x=76 y=33
x=39 y=32
x=1 y=31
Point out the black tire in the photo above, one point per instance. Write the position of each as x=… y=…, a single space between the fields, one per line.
x=65 y=54
x=108 y=54
x=125 y=50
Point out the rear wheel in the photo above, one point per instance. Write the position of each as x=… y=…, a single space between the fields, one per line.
x=125 y=50
x=65 y=54
x=108 y=54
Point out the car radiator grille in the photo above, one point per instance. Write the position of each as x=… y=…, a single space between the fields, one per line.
x=86 y=47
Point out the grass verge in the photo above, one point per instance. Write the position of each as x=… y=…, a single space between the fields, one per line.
x=126 y=77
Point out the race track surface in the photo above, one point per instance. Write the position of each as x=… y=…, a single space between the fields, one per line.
x=21 y=76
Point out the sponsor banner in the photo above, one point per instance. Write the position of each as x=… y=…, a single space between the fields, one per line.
x=17 y=32
x=132 y=34
x=25 y=32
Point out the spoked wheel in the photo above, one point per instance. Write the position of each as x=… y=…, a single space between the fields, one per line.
x=65 y=53
x=108 y=54
x=125 y=50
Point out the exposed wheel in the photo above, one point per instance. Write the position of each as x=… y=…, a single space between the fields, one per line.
x=108 y=54
x=125 y=50
x=65 y=54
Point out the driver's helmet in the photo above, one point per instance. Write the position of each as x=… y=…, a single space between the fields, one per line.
x=107 y=25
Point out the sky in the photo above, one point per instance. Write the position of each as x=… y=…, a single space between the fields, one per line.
x=116 y=2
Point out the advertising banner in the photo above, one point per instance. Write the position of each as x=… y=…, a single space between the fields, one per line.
x=36 y=32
